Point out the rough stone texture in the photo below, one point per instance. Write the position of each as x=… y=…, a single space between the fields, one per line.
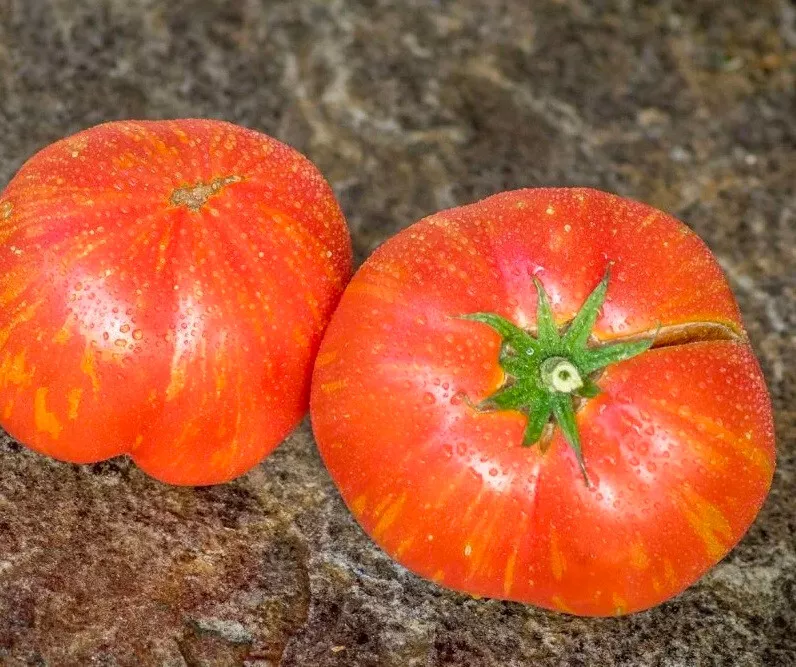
x=407 y=107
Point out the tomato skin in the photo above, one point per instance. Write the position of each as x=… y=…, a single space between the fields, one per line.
x=140 y=315
x=679 y=446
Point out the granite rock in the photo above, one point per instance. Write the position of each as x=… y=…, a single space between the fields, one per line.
x=407 y=107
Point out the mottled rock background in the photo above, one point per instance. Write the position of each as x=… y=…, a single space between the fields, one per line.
x=407 y=107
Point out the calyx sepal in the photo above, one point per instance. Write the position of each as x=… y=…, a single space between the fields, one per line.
x=544 y=373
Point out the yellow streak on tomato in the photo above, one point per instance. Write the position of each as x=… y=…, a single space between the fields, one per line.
x=743 y=446
x=300 y=337
x=221 y=458
x=669 y=573
x=334 y=386
x=234 y=445
x=75 y=145
x=296 y=233
x=125 y=160
x=314 y=306
x=163 y=247
x=638 y=556
x=88 y=365
x=403 y=546
x=438 y=577
x=379 y=292
x=6 y=232
x=45 y=421
x=183 y=137
x=359 y=504
x=24 y=315
x=325 y=358
x=73 y=401
x=14 y=285
x=390 y=515
x=6 y=228
x=477 y=553
x=63 y=334
x=707 y=522
x=377 y=512
x=138 y=440
x=177 y=380
x=656 y=585
x=646 y=222
x=508 y=576
x=558 y=564
x=220 y=375
x=620 y=604
x=13 y=370
x=561 y=605
x=479 y=544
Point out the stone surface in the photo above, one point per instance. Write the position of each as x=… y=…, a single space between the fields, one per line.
x=407 y=107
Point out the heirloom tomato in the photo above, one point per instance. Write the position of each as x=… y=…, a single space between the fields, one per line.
x=164 y=287
x=548 y=397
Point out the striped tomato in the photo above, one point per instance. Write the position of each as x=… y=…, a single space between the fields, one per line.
x=163 y=290
x=548 y=397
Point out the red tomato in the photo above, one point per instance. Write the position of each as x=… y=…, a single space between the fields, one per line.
x=164 y=287
x=421 y=414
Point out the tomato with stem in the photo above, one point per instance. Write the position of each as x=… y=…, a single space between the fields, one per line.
x=164 y=287
x=547 y=396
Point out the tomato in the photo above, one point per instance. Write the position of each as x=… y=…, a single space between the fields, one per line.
x=164 y=287
x=546 y=397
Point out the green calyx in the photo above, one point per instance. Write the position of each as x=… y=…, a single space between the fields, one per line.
x=545 y=373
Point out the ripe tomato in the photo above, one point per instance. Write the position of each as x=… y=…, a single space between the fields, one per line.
x=537 y=451
x=164 y=287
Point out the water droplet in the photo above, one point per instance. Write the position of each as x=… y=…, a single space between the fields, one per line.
x=429 y=399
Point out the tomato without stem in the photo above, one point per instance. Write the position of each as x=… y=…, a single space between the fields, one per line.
x=163 y=290
x=505 y=417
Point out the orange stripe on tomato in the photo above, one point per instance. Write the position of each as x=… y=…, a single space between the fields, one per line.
x=508 y=576
x=88 y=365
x=44 y=420
x=390 y=515
x=14 y=371
x=707 y=521
x=334 y=386
x=558 y=564
x=73 y=401
x=559 y=603
x=638 y=556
